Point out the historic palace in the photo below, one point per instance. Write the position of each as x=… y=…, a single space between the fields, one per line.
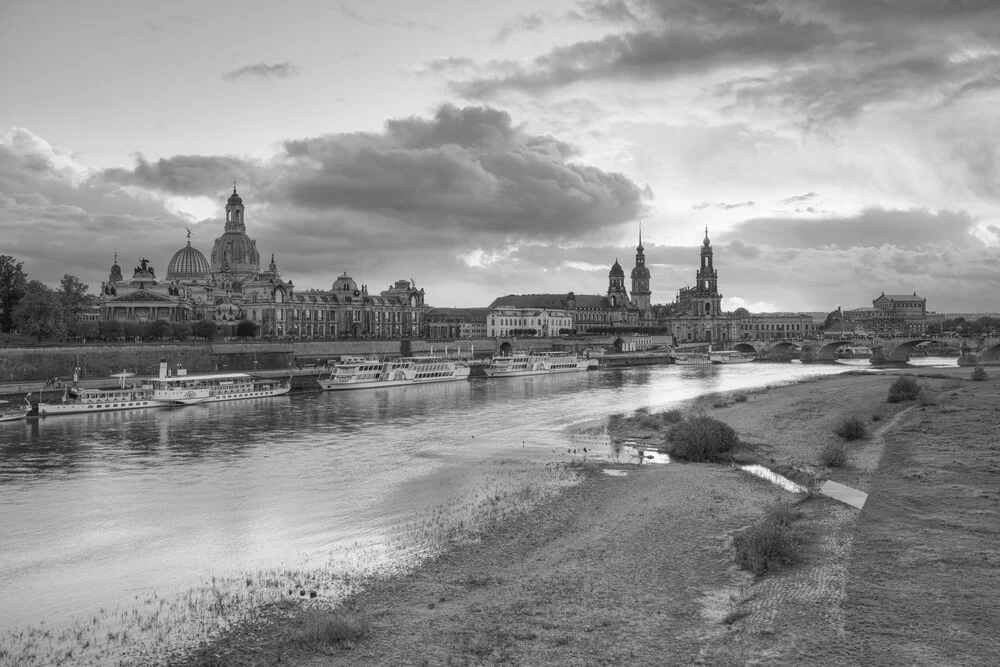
x=231 y=287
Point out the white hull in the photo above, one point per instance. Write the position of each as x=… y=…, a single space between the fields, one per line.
x=693 y=360
x=72 y=407
x=330 y=385
x=544 y=363
x=216 y=396
x=735 y=358
x=13 y=416
x=543 y=371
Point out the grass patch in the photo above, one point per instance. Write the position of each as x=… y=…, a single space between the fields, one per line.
x=648 y=421
x=905 y=388
x=700 y=438
x=979 y=374
x=321 y=630
x=851 y=428
x=833 y=455
x=772 y=543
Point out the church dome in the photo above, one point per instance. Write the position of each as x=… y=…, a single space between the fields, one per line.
x=236 y=250
x=235 y=199
x=640 y=272
x=617 y=271
x=188 y=263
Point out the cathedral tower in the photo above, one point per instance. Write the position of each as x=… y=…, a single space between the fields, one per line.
x=707 y=281
x=617 y=294
x=640 y=278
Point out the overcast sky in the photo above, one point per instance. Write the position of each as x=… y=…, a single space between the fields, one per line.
x=835 y=149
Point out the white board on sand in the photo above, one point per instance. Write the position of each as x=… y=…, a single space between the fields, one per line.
x=844 y=494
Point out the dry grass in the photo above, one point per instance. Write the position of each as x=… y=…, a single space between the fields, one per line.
x=770 y=544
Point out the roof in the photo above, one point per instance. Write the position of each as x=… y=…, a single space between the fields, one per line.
x=560 y=301
x=902 y=297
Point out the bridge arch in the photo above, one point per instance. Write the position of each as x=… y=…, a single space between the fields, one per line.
x=506 y=349
x=745 y=347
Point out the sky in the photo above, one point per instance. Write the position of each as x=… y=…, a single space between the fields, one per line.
x=834 y=149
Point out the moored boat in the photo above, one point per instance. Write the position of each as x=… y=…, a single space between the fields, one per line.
x=541 y=363
x=692 y=358
x=13 y=411
x=183 y=389
x=731 y=357
x=80 y=399
x=372 y=373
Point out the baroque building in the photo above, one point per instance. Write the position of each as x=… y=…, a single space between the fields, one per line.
x=231 y=287
x=696 y=314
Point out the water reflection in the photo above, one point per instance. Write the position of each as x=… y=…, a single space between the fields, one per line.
x=97 y=505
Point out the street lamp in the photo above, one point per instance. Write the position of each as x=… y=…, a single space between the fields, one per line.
x=77 y=368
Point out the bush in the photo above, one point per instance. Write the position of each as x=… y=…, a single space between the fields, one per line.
x=740 y=398
x=649 y=421
x=672 y=416
x=833 y=455
x=979 y=374
x=851 y=428
x=771 y=543
x=905 y=388
x=700 y=438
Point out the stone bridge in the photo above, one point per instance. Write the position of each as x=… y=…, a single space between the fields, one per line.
x=885 y=350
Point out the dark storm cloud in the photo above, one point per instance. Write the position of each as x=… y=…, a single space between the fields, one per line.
x=467 y=169
x=281 y=70
x=186 y=175
x=873 y=228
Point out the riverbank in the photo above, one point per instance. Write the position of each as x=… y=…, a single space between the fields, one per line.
x=637 y=567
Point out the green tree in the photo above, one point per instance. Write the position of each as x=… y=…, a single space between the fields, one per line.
x=110 y=329
x=13 y=282
x=159 y=330
x=204 y=329
x=246 y=329
x=39 y=312
x=73 y=296
x=182 y=330
x=831 y=317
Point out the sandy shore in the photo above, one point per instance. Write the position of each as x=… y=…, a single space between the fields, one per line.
x=637 y=568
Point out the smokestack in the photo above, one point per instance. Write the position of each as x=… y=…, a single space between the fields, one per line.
x=163 y=368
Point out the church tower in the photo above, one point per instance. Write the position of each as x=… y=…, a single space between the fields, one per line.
x=707 y=281
x=617 y=295
x=640 y=279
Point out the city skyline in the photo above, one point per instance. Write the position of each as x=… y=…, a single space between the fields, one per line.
x=835 y=149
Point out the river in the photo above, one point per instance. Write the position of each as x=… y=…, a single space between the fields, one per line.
x=101 y=508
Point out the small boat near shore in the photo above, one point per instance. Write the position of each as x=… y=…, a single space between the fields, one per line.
x=13 y=411
x=731 y=357
x=361 y=373
x=541 y=363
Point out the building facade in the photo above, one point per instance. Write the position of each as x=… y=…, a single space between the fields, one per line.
x=773 y=326
x=456 y=322
x=231 y=287
x=696 y=315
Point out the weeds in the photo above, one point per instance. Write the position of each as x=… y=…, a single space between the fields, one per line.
x=672 y=416
x=770 y=544
x=324 y=629
x=701 y=438
x=740 y=398
x=851 y=428
x=979 y=374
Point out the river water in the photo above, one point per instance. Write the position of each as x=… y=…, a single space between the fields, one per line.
x=100 y=508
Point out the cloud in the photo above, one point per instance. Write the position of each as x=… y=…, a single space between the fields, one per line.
x=349 y=12
x=520 y=23
x=798 y=199
x=282 y=70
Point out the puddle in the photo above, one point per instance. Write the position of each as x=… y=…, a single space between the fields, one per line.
x=615 y=473
x=630 y=451
x=783 y=482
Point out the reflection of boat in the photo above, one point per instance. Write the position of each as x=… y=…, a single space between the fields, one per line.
x=853 y=352
x=731 y=357
x=183 y=389
x=368 y=373
x=12 y=411
x=80 y=399
x=541 y=363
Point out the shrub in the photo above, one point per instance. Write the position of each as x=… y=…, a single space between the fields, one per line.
x=877 y=417
x=851 y=428
x=700 y=438
x=672 y=416
x=649 y=421
x=771 y=543
x=740 y=398
x=321 y=630
x=905 y=388
x=833 y=455
x=979 y=374
x=926 y=398
x=721 y=403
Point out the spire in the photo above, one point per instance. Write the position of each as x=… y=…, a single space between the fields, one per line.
x=706 y=242
x=234 y=187
x=640 y=237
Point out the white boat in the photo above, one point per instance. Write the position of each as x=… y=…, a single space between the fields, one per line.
x=692 y=359
x=184 y=389
x=731 y=357
x=12 y=411
x=541 y=363
x=371 y=373
x=80 y=399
